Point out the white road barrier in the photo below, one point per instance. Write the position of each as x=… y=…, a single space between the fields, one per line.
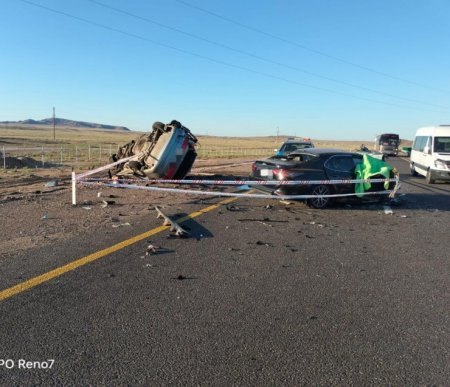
x=230 y=194
x=243 y=182
x=83 y=178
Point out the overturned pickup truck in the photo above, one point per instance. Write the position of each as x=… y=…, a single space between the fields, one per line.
x=168 y=151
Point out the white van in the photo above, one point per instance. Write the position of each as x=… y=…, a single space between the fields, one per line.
x=430 y=154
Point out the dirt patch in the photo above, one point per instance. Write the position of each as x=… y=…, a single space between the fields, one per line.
x=19 y=162
x=36 y=209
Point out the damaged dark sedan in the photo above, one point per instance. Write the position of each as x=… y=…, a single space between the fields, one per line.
x=316 y=164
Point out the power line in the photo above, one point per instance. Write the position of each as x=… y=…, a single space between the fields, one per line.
x=303 y=47
x=267 y=60
x=231 y=65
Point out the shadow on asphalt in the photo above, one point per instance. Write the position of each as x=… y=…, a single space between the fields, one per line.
x=195 y=229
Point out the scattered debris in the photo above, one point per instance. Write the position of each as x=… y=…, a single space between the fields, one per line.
x=45 y=217
x=121 y=225
x=175 y=228
x=88 y=202
x=151 y=250
x=231 y=207
x=262 y=220
x=106 y=203
x=403 y=216
x=286 y=202
x=388 y=210
x=52 y=183
x=181 y=277
x=244 y=187
x=99 y=194
x=268 y=207
x=267 y=244
x=87 y=208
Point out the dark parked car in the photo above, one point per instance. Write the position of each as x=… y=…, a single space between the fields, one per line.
x=315 y=164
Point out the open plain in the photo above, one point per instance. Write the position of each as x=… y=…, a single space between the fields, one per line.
x=261 y=292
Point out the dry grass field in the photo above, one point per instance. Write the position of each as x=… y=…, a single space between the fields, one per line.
x=88 y=148
x=37 y=136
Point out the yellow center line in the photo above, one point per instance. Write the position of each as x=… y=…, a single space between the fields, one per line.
x=35 y=281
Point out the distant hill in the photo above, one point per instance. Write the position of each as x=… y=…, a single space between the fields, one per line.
x=64 y=123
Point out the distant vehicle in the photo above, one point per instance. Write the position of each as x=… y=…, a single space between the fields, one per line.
x=313 y=164
x=430 y=153
x=293 y=144
x=167 y=152
x=364 y=150
x=387 y=144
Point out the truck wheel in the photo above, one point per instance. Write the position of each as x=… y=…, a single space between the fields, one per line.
x=429 y=178
x=413 y=170
x=319 y=202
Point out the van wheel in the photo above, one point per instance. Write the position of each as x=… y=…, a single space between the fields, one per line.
x=429 y=179
x=319 y=202
x=413 y=170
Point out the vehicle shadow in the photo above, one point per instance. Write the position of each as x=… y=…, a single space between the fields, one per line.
x=407 y=201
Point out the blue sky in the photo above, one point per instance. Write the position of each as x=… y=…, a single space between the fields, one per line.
x=326 y=69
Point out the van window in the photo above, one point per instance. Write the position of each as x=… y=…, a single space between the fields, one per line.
x=420 y=142
x=442 y=144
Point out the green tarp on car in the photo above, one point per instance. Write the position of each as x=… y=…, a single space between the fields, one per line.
x=370 y=167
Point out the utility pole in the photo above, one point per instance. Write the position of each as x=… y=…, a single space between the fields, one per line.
x=54 y=132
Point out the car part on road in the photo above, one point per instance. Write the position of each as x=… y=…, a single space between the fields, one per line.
x=175 y=228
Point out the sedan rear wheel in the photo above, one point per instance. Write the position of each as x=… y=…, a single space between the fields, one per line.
x=319 y=201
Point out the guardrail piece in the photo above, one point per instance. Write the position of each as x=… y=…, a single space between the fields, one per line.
x=174 y=226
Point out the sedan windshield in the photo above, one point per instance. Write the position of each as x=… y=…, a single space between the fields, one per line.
x=294 y=147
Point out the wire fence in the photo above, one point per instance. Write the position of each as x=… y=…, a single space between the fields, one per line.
x=89 y=155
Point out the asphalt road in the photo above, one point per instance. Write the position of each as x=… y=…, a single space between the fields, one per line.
x=262 y=293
